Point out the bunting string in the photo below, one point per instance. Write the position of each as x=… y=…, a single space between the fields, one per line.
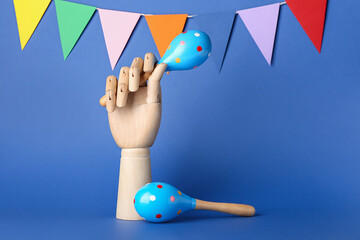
x=261 y=23
x=190 y=16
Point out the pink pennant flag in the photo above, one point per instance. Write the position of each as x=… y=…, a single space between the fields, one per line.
x=117 y=28
x=261 y=22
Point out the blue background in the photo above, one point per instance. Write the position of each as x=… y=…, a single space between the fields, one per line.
x=284 y=138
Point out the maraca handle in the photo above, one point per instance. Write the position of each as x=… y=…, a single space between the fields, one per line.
x=231 y=208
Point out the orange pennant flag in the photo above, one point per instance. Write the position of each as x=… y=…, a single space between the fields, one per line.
x=164 y=28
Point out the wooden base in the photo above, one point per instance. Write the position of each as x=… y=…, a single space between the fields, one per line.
x=135 y=172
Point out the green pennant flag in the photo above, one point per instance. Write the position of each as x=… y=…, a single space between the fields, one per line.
x=72 y=20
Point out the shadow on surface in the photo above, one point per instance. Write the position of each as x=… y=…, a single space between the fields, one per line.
x=195 y=218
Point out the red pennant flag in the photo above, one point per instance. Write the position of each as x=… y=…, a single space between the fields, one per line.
x=311 y=16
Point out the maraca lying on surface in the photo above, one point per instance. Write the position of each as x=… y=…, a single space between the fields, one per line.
x=161 y=202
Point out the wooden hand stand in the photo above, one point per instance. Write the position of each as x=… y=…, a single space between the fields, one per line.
x=134 y=110
x=135 y=172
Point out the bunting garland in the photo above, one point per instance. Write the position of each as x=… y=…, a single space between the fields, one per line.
x=28 y=15
x=164 y=28
x=72 y=20
x=118 y=26
x=311 y=16
x=218 y=26
x=262 y=23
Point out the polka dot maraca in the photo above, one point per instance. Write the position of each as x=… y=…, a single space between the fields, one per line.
x=188 y=50
x=161 y=202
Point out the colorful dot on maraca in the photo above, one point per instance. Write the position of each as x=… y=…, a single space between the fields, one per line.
x=188 y=50
x=161 y=202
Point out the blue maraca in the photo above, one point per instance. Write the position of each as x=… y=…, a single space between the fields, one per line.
x=188 y=50
x=161 y=202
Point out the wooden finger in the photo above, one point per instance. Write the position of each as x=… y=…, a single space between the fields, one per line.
x=111 y=85
x=102 y=101
x=143 y=78
x=154 y=89
x=123 y=87
x=134 y=74
x=149 y=62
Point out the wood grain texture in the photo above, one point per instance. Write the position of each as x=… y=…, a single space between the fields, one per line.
x=231 y=208
x=135 y=172
x=136 y=124
x=123 y=87
x=134 y=111
x=111 y=88
x=134 y=74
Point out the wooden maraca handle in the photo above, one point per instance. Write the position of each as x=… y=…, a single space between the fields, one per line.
x=231 y=208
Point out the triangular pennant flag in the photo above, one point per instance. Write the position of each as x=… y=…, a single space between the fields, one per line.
x=28 y=15
x=72 y=20
x=311 y=16
x=117 y=28
x=218 y=26
x=261 y=22
x=164 y=28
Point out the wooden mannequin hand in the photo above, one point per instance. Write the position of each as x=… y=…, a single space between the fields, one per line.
x=134 y=104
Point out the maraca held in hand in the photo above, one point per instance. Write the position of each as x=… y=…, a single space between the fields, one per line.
x=161 y=202
x=188 y=50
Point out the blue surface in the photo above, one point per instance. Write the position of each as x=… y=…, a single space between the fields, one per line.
x=284 y=138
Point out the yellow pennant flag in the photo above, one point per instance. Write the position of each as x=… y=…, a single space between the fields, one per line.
x=28 y=16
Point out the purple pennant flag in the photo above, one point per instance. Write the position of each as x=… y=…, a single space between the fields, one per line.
x=261 y=22
x=218 y=26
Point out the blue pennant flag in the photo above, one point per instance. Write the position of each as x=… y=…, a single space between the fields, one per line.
x=218 y=26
